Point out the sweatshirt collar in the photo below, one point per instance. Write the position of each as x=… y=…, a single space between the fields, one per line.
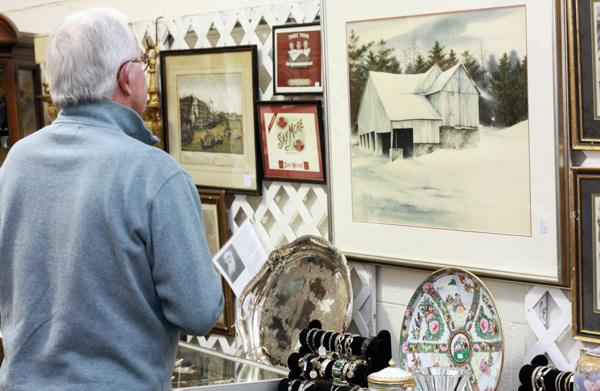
x=112 y=115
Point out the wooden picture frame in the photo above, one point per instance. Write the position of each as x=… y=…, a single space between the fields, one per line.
x=292 y=140
x=297 y=59
x=585 y=253
x=208 y=119
x=584 y=75
x=504 y=216
x=215 y=222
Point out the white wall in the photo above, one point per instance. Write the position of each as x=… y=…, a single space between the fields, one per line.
x=395 y=285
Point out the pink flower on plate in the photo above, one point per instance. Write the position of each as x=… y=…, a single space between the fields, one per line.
x=405 y=347
x=444 y=347
x=591 y=386
x=451 y=324
x=434 y=327
x=426 y=287
x=430 y=317
x=484 y=325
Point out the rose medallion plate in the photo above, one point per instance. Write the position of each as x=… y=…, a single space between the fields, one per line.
x=452 y=321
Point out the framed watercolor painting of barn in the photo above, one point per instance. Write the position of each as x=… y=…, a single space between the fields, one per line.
x=439 y=146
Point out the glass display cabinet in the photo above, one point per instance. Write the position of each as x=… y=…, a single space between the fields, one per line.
x=203 y=369
x=20 y=83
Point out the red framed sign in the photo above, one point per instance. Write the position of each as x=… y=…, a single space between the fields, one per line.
x=297 y=67
x=291 y=136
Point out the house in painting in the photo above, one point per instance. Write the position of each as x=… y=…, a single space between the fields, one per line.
x=408 y=115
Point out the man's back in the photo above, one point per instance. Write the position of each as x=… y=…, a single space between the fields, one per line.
x=98 y=256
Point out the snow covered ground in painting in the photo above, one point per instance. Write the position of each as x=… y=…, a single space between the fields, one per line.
x=483 y=189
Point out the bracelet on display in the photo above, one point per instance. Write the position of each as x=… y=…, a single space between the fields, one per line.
x=568 y=380
x=313 y=374
x=291 y=384
x=323 y=367
x=322 y=348
x=314 y=344
x=339 y=344
x=557 y=381
x=336 y=371
x=308 y=338
x=365 y=345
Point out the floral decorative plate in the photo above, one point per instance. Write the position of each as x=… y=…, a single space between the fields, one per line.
x=452 y=321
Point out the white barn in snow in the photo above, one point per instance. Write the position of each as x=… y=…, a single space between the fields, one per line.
x=418 y=113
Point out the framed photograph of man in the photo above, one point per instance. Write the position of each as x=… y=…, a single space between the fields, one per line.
x=214 y=213
x=209 y=127
x=297 y=67
x=292 y=140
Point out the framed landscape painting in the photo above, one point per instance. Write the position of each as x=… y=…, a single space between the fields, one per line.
x=208 y=102
x=440 y=157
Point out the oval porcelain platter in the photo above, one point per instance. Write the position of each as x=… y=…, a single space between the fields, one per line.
x=452 y=321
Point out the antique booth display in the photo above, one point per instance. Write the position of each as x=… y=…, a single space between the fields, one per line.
x=208 y=100
x=292 y=140
x=304 y=280
x=297 y=53
x=20 y=112
x=199 y=368
x=585 y=252
x=214 y=213
x=584 y=36
x=431 y=115
x=452 y=321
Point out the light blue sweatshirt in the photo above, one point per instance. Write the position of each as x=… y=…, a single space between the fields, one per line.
x=103 y=256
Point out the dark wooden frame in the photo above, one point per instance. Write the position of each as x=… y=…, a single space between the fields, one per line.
x=585 y=185
x=217 y=198
x=584 y=123
x=279 y=58
x=231 y=180
x=292 y=107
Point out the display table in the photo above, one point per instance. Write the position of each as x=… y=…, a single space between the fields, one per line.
x=198 y=368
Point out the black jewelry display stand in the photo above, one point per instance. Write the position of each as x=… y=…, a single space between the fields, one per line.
x=332 y=361
x=539 y=376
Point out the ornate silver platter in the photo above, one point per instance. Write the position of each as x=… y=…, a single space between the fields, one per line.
x=305 y=280
x=452 y=321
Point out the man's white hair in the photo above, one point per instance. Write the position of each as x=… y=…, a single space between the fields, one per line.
x=84 y=54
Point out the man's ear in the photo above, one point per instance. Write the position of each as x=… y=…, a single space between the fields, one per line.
x=124 y=79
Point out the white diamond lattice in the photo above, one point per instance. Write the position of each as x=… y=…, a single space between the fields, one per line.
x=551 y=336
x=285 y=211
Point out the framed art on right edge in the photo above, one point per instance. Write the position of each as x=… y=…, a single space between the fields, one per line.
x=449 y=137
x=585 y=253
x=584 y=57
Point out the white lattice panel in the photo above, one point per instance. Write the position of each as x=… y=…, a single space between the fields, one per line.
x=548 y=328
x=285 y=211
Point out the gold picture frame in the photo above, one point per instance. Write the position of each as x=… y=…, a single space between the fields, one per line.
x=214 y=213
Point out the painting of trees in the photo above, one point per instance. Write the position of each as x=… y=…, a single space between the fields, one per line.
x=502 y=83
